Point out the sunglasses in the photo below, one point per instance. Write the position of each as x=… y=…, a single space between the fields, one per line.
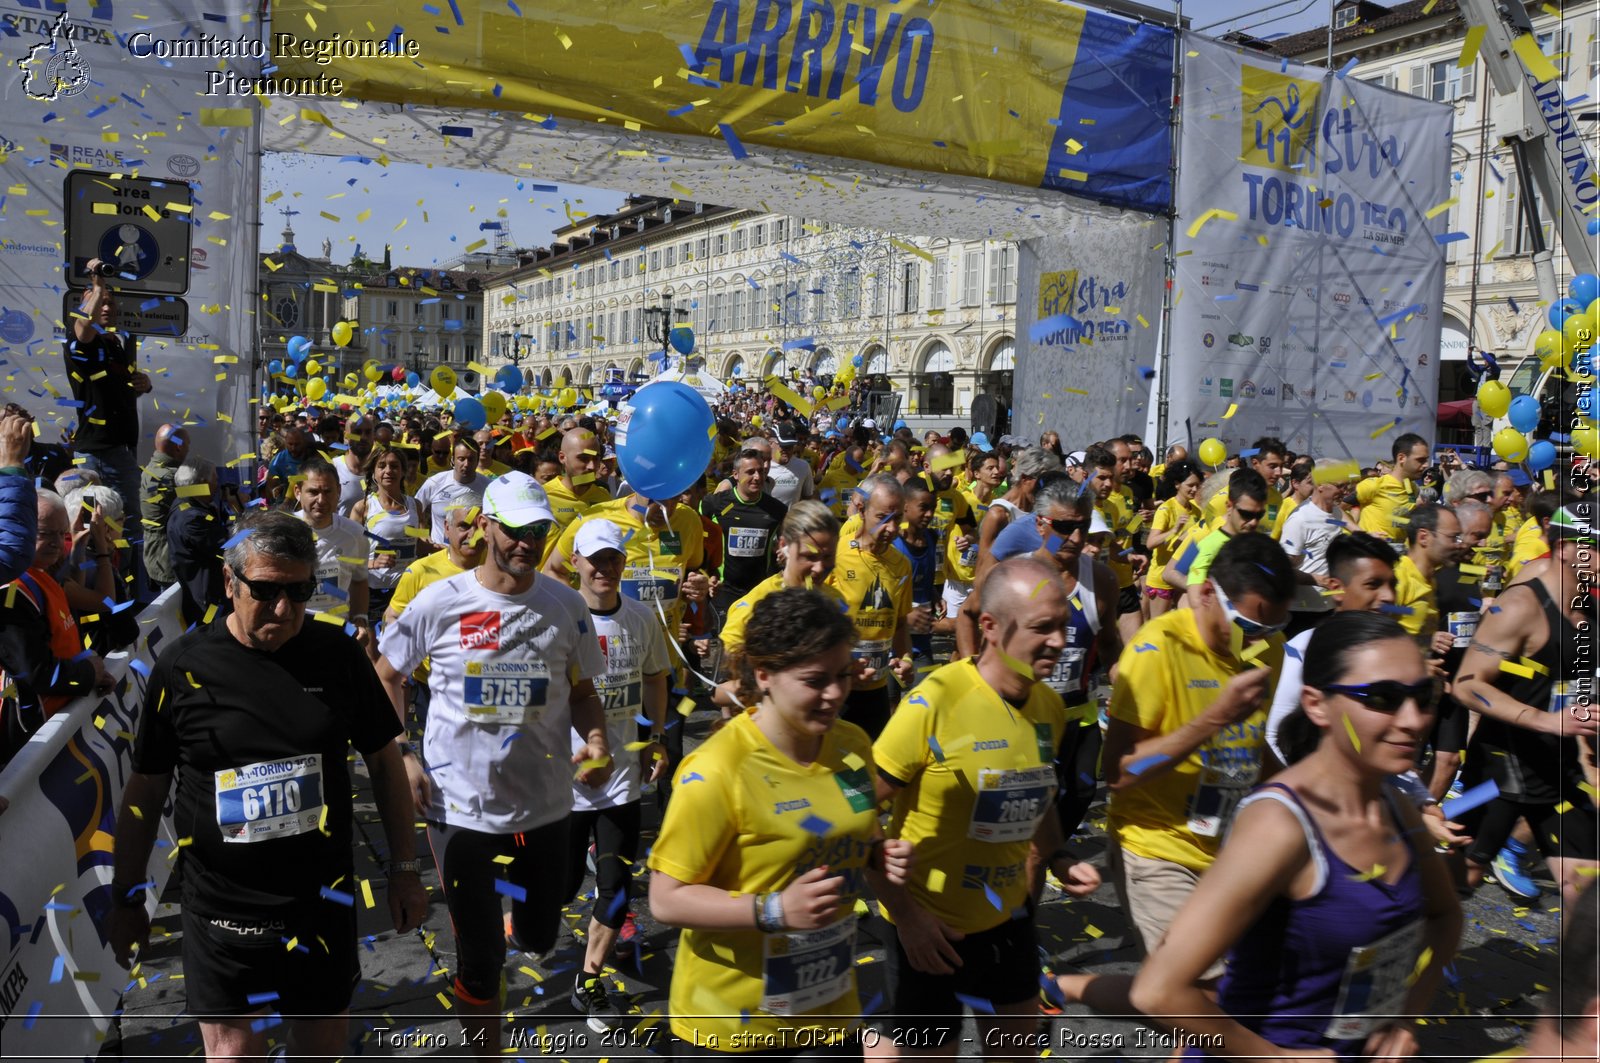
x=1248 y=515
x=1253 y=629
x=528 y=533
x=265 y=590
x=1066 y=528
x=1386 y=695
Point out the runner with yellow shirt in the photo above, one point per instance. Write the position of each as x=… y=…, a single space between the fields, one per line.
x=1530 y=543
x=968 y=762
x=1433 y=536
x=575 y=491
x=1168 y=527
x=1383 y=498
x=1266 y=456
x=961 y=553
x=772 y=837
x=875 y=581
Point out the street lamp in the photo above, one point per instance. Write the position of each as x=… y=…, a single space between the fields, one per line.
x=659 y=321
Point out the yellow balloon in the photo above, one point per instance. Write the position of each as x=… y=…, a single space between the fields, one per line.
x=1579 y=329
x=567 y=397
x=1586 y=441
x=1213 y=452
x=1494 y=398
x=1550 y=345
x=343 y=333
x=316 y=387
x=494 y=405
x=1511 y=444
x=443 y=379
x=312 y=368
x=370 y=371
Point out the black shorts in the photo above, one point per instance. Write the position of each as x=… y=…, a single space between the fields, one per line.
x=615 y=832
x=999 y=965
x=1077 y=773
x=868 y=710
x=1569 y=835
x=235 y=967
x=1450 y=726
x=475 y=886
x=1128 y=600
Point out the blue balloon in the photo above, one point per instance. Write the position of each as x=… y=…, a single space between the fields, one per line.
x=1524 y=413
x=1585 y=288
x=1563 y=309
x=291 y=371
x=1585 y=401
x=682 y=339
x=737 y=370
x=664 y=444
x=470 y=413
x=508 y=378
x=299 y=348
x=412 y=380
x=275 y=367
x=858 y=361
x=1541 y=455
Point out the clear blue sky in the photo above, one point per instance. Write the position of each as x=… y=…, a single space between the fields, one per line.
x=442 y=209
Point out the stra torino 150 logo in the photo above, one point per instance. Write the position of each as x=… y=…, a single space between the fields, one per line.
x=54 y=69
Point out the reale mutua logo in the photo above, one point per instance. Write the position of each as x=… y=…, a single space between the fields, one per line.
x=53 y=68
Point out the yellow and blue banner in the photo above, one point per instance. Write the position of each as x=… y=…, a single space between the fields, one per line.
x=1039 y=94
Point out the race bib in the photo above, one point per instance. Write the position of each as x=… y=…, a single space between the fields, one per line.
x=327 y=578
x=1067 y=678
x=1494 y=581
x=1565 y=695
x=876 y=652
x=622 y=695
x=644 y=583
x=272 y=799
x=803 y=971
x=502 y=692
x=747 y=542
x=1220 y=789
x=1011 y=803
x=1462 y=626
x=1376 y=978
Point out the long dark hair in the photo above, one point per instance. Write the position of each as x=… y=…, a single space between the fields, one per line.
x=1325 y=662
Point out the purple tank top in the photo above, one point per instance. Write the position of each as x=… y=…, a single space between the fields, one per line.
x=1321 y=972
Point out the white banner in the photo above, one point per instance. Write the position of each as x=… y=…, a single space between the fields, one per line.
x=1310 y=272
x=93 y=87
x=1088 y=318
x=59 y=983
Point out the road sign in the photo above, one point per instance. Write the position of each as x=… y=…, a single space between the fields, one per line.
x=137 y=314
x=140 y=226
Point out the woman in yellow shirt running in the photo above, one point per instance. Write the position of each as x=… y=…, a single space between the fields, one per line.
x=771 y=836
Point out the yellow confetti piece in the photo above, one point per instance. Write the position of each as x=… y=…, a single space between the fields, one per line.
x=1368 y=876
x=686 y=706
x=911 y=249
x=290 y=944
x=1440 y=208
x=203 y=491
x=592 y=764
x=1233 y=408
x=366 y=893
x=229 y=116
x=566 y=42
x=936 y=879
x=1074 y=175
x=1214 y=212
x=444 y=1001
x=1350 y=729
x=1538 y=64
x=1382 y=429
x=1516 y=669
x=104 y=208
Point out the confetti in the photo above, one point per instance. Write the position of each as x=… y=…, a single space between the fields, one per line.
x=1479 y=795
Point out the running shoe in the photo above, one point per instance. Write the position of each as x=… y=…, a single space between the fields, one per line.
x=1511 y=871
x=627 y=936
x=590 y=999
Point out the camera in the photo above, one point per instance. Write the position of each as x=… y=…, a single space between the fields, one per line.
x=105 y=269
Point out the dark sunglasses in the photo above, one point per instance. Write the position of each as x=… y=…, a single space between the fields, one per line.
x=1248 y=515
x=1066 y=528
x=528 y=532
x=265 y=590
x=1386 y=695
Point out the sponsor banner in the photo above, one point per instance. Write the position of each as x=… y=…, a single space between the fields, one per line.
x=80 y=100
x=59 y=982
x=1309 y=269
x=1086 y=104
x=1088 y=318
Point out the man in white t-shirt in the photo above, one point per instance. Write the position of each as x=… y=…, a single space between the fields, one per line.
x=514 y=660
x=442 y=490
x=341 y=551
x=791 y=474
x=634 y=689
x=1314 y=524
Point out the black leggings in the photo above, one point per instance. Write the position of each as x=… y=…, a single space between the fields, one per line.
x=616 y=841
x=1077 y=774
x=468 y=875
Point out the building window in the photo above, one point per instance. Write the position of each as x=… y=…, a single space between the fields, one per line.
x=780 y=230
x=972 y=278
x=877 y=282
x=1515 y=239
x=818 y=298
x=655 y=261
x=672 y=257
x=941 y=280
x=472 y=350
x=616 y=269
x=472 y=312
x=394 y=309
x=722 y=243
x=1441 y=81
x=1003 y=275
x=760 y=238
x=700 y=247
x=738 y=310
x=683 y=252
x=934 y=388
x=638 y=324
x=909 y=293
x=1348 y=15
x=740 y=239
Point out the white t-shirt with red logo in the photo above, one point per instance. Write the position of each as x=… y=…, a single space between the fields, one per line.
x=634 y=647
x=496 y=744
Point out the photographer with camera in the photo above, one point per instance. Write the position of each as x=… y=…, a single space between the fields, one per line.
x=101 y=368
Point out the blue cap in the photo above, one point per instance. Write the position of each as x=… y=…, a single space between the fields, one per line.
x=1518 y=477
x=981 y=441
x=899 y=425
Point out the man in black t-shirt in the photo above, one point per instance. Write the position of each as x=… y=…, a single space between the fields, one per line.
x=256 y=716
x=749 y=519
x=101 y=370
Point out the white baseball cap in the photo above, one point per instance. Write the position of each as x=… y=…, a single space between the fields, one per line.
x=596 y=535
x=516 y=500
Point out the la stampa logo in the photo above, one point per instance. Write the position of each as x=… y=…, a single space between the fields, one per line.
x=53 y=69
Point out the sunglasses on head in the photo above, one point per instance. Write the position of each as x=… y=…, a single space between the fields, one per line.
x=265 y=590
x=1066 y=528
x=1386 y=695
x=528 y=532
x=1253 y=629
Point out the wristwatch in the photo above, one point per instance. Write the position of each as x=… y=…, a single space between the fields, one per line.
x=397 y=866
x=658 y=738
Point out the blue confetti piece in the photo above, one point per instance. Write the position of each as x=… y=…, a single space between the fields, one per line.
x=814 y=824
x=938 y=753
x=33 y=1014
x=238 y=538
x=258 y=999
x=338 y=896
x=1481 y=794
x=57 y=969
x=1344 y=71
x=643 y=720
x=977 y=1004
x=1144 y=764
x=510 y=889
x=679 y=112
x=1449 y=238
x=1391 y=609
x=454 y=131
x=735 y=146
x=267 y=1022
x=139 y=666
x=1043 y=328
x=993 y=897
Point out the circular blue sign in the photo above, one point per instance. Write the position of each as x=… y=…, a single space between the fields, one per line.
x=131 y=250
x=15 y=326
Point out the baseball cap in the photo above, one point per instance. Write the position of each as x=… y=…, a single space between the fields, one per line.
x=1575 y=521
x=515 y=500
x=981 y=441
x=785 y=434
x=867 y=422
x=1077 y=457
x=1097 y=524
x=596 y=535
x=899 y=425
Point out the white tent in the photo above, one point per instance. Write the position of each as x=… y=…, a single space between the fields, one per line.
x=696 y=376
